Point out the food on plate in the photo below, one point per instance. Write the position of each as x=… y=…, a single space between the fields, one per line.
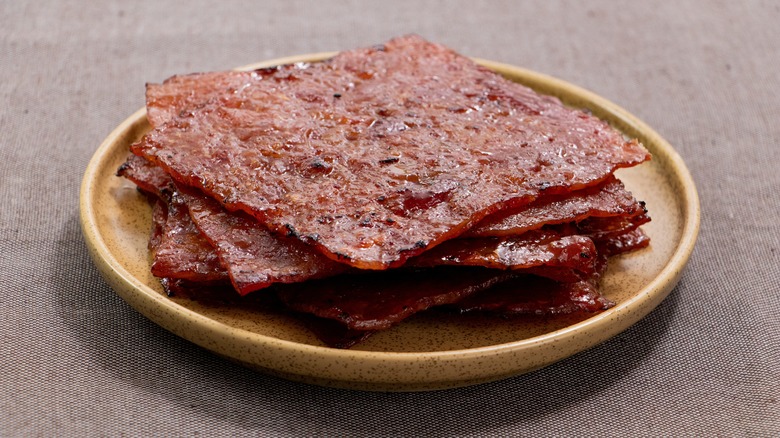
x=365 y=188
x=371 y=159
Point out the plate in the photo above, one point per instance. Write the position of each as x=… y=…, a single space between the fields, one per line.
x=428 y=351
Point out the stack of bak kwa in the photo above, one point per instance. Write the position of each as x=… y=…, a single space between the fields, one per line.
x=384 y=181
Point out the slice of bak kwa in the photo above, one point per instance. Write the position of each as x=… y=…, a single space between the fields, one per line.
x=532 y=295
x=620 y=244
x=377 y=154
x=182 y=251
x=537 y=296
x=378 y=300
x=149 y=178
x=255 y=258
x=604 y=200
x=546 y=247
x=178 y=249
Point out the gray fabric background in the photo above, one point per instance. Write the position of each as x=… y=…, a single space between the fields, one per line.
x=75 y=360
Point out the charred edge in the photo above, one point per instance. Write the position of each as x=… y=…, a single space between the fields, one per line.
x=267 y=71
x=319 y=164
x=342 y=256
x=123 y=168
x=167 y=193
x=643 y=205
x=291 y=231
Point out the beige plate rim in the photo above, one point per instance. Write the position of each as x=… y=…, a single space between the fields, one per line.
x=391 y=365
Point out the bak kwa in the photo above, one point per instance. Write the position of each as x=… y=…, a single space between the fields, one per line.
x=255 y=258
x=378 y=154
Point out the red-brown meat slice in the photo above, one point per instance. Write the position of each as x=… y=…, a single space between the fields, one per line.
x=532 y=295
x=542 y=296
x=548 y=248
x=182 y=251
x=630 y=241
x=178 y=249
x=380 y=153
x=599 y=228
x=605 y=200
x=182 y=92
x=149 y=178
x=255 y=258
x=378 y=300
x=537 y=296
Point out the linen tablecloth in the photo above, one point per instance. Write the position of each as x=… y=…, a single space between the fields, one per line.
x=75 y=360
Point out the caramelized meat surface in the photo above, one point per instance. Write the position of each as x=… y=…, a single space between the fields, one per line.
x=255 y=258
x=380 y=153
x=608 y=199
x=379 y=300
x=181 y=251
x=531 y=295
x=149 y=178
x=548 y=248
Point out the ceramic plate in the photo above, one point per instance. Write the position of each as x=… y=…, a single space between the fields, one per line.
x=428 y=351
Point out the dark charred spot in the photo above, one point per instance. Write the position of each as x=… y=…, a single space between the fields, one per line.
x=420 y=244
x=318 y=166
x=389 y=220
x=342 y=256
x=584 y=255
x=384 y=112
x=291 y=231
x=381 y=198
x=318 y=163
x=123 y=168
x=337 y=95
x=365 y=222
x=267 y=71
x=389 y=160
x=457 y=109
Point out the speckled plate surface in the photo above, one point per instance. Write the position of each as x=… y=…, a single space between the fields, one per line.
x=428 y=351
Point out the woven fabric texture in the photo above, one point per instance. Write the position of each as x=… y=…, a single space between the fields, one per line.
x=75 y=360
